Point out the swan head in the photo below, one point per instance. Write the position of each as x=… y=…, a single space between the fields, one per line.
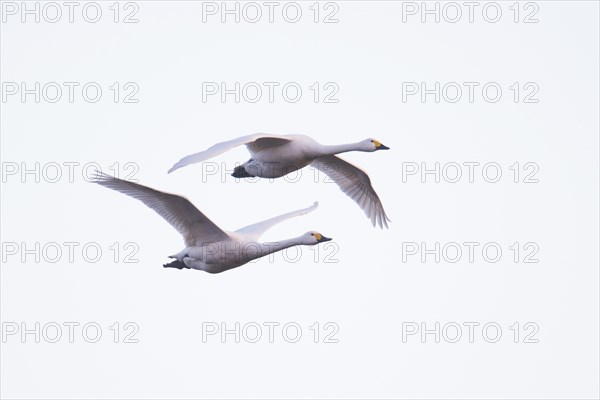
x=373 y=145
x=311 y=238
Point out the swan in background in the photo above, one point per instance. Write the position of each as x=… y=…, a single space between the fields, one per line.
x=208 y=248
x=273 y=156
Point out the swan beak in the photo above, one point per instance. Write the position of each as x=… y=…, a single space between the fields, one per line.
x=323 y=239
x=382 y=147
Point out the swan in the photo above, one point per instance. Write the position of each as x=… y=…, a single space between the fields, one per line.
x=208 y=248
x=273 y=156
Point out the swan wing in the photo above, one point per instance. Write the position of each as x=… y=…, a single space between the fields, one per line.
x=254 y=142
x=356 y=184
x=254 y=232
x=178 y=211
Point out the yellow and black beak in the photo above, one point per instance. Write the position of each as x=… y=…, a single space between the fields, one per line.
x=379 y=146
x=320 y=238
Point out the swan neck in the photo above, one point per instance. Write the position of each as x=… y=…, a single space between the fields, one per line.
x=273 y=247
x=341 y=148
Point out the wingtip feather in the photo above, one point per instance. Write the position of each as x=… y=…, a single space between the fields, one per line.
x=101 y=177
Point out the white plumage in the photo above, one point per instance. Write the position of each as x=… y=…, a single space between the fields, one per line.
x=208 y=247
x=273 y=156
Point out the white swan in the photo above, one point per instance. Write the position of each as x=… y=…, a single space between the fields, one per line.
x=273 y=156
x=208 y=248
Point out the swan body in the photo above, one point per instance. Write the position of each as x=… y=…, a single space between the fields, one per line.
x=208 y=247
x=228 y=254
x=273 y=156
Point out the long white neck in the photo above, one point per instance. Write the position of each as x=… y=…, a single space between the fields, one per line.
x=340 y=148
x=267 y=248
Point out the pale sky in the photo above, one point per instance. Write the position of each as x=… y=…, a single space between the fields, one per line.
x=370 y=284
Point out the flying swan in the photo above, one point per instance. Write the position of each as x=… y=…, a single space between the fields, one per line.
x=273 y=156
x=208 y=248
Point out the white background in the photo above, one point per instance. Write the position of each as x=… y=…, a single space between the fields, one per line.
x=369 y=293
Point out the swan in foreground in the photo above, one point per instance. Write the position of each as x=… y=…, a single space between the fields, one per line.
x=273 y=156
x=208 y=248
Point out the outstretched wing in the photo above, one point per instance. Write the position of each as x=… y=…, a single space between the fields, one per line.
x=254 y=142
x=253 y=232
x=355 y=183
x=195 y=227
